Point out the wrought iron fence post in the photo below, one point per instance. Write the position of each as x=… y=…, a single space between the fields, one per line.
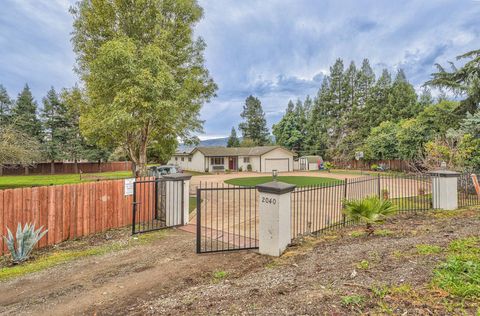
x=199 y=222
x=344 y=198
x=134 y=207
x=379 y=190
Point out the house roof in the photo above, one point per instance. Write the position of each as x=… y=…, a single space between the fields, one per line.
x=312 y=159
x=235 y=151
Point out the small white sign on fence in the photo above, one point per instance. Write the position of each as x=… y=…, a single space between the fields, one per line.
x=128 y=189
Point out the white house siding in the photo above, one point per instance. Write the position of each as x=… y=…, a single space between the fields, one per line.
x=280 y=159
x=197 y=163
x=313 y=166
x=254 y=162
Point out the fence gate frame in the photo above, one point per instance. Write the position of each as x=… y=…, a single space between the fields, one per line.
x=211 y=235
x=158 y=203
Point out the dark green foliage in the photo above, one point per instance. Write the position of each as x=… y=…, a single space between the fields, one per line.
x=463 y=81
x=254 y=126
x=56 y=125
x=24 y=115
x=5 y=107
x=291 y=131
x=233 y=140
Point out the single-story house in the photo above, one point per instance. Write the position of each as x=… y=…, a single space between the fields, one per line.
x=310 y=162
x=258 y=159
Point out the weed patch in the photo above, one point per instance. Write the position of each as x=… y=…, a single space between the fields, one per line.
x=459 y=275
x=219 y=275
x=425 y=249
x=353 y=300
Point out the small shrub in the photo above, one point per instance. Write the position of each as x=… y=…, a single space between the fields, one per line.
x=364 y=265
x=249 y=167
x=374 y=167
x=328 y=166
x=240 y=169
x=370 y=210
x=353 y=300
x=219 y=275
x=25 y=239
x=428 y=249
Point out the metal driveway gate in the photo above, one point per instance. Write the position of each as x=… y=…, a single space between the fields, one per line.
x=157 y=203
x=226 y=218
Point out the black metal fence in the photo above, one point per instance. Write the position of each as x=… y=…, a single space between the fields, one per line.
x=157 y=203
x=226 y=218
x=320 y=207
x=467 y=190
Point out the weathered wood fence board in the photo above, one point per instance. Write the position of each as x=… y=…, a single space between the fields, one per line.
x=67 y=211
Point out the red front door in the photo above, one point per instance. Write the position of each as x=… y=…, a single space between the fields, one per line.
x=232 y=163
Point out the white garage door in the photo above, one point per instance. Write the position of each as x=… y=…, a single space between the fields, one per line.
x=280 y=164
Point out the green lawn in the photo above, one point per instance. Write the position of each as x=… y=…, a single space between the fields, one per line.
x=297 y=180
x=9 y=182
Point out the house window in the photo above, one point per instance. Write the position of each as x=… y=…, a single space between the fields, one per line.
x=216 y=161
x=183 y=159
x=246 y=159
x=189 y=159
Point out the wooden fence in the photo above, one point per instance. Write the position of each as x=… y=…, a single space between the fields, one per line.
x=67 y=211
x=394 y=165
x=65 y=168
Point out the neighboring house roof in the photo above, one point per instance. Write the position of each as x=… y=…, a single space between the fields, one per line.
x=312 y=159
x=235 y=151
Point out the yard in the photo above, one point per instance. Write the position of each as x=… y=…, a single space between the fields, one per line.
x=417 y=264
x=299 y=181
x=11 y=182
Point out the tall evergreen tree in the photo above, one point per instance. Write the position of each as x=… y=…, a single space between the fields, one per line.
x=56 y=125
x=24 y=115
x=254 y=126
x=403 y=99
x=233 y=140
x=5 y=107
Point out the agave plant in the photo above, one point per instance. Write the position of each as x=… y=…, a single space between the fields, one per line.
x=22 y=245
x=370 y=210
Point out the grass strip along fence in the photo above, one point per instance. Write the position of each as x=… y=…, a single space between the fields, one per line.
x=67 y=211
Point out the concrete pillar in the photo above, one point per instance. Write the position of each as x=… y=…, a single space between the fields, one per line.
x=444 y=189
x=274 y=217
x=177 y=199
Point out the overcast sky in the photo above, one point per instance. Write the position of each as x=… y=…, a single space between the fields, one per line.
x=276 y=50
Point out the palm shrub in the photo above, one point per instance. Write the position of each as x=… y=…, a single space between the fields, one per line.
x=370 y=210
x=25 y=239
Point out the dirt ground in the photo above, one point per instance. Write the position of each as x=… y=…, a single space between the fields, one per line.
x=166 y=277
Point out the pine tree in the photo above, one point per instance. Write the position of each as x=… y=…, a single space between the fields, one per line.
x=377 y=109
x=24 y=115
x=366 y=80
x=254 y=126
x=56 y=125
x=5 y=107
x=403 y=100
x=233 y=140
x=318 y=122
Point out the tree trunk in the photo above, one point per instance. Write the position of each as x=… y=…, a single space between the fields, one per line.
x=369 y=229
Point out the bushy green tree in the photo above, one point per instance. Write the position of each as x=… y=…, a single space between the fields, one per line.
x=382 y=142
x=254 y=126
x=18 y=147
x=463 y=81
x=143 y=71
